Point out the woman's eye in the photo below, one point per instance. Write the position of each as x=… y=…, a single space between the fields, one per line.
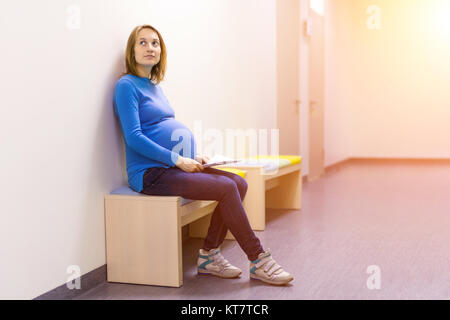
x=142 y=42
x=155 y=42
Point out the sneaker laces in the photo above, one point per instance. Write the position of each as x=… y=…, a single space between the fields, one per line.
x=271 y=266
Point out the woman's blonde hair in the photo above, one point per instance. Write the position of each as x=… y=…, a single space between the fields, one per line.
x=158 y=70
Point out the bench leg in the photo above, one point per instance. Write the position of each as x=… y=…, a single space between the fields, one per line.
x=144 y=242
x=254 y=201
x=288 y=194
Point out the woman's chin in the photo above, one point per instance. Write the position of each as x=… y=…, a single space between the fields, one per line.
x=146 y=65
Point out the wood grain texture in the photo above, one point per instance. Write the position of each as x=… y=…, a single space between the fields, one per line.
x=143 y=241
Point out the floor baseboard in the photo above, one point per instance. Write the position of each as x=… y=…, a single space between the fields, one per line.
x=87 y=282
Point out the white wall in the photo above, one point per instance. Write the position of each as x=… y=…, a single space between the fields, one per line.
x=401 y=73
x=338 y=81
x=61 y=145
x=387 y=89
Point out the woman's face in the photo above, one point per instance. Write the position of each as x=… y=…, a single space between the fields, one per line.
x=147 y=49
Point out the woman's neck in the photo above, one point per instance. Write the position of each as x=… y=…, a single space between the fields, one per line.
x=144 y=72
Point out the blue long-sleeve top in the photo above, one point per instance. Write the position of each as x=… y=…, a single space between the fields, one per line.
x=153 y=138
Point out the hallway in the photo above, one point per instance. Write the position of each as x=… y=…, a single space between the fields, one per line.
x=390 y=213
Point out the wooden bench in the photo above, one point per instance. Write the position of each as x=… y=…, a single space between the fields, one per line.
x=143 y=233
x=144 y=237
x=278 y=187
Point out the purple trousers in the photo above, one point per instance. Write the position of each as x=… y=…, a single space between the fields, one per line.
x=227 y=188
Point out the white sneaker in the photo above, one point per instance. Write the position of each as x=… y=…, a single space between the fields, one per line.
x=212 y=262
x=267 y=270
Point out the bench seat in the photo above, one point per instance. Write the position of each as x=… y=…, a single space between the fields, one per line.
x=126 y=190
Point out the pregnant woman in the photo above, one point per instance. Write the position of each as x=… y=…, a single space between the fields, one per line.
x=156 y=165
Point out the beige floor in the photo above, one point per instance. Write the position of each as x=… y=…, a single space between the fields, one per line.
x=388 y=213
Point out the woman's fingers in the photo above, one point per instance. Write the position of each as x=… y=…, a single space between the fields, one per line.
x=189 y=165
x=199 y=167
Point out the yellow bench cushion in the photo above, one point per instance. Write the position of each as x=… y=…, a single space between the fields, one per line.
x=233 y=170
x=292 y=159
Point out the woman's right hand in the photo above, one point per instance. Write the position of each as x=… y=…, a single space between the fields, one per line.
x=188 y=164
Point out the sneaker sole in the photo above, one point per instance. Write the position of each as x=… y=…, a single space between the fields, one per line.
x=212 y=273
x=254 y=277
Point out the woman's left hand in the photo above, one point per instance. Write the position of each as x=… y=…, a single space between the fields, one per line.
x=202 y=159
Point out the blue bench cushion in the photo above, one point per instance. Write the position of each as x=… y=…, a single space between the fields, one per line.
x=125 y=190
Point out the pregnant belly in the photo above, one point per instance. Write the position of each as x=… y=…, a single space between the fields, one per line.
x=173 y=135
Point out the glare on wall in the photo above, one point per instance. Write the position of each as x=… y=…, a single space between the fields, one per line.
x=442 y=17
x=317 y=6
